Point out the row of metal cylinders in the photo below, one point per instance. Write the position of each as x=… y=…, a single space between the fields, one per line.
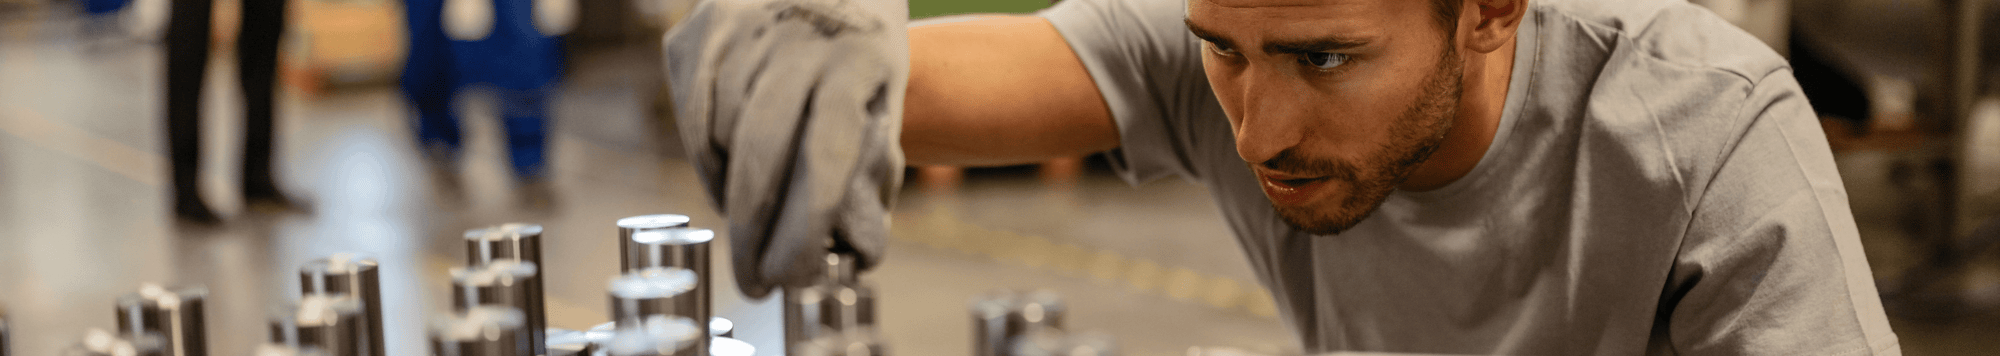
x=497 y=298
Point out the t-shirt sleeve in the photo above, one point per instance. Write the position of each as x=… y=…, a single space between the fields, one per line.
x=1148 y=68
x=1772 y=262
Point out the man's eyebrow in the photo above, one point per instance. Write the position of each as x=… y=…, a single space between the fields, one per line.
x=1314 y=45
x=1205 y=34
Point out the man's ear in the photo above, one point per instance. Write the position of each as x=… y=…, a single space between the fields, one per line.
x=1492 y=23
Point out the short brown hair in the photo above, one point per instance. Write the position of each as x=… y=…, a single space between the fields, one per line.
x=1447 y=15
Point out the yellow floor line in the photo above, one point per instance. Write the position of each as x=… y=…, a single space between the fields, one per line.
x=133 y=163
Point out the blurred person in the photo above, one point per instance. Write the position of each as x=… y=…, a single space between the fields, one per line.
x=1448 y=176
x=187 y=38
x=513 y=47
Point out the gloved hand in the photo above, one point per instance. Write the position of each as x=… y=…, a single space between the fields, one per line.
x=791 y=111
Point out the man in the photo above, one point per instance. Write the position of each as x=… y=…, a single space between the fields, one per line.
x=1450 y=176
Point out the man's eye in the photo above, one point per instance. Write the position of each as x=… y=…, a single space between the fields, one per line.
x=1324 y=60
x=1220 y=49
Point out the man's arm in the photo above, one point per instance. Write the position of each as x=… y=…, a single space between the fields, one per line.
x=998 y=91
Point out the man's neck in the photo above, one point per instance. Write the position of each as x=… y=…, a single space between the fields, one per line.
x=1479 y=109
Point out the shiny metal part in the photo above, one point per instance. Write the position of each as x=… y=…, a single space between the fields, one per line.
x=277 y=349
x=1053 y=342
x=482 y=331
x=100 y=342
x=1041 y=309
x=628 y=227
x=728 y=346
x=842 y=268
x=519 y=242
x=502 y=283
x=853 y=343
x=331 y=323
x=641 y=294
x=802 y=316
x=564 y=342
x=683 y=248
x=718 y=326
x=847 y=307
x=352 y=275
x=657 y=335
x=989 y=322
x=174 y=315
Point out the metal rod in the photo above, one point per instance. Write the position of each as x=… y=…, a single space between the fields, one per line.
x=332 y=323
x=989 y=322
x=802 y=316
x=355 y=276
x=847 y=307
x=482 y=331
x=657 y=335
x=277 y=349
x=520 y=242
x=630 y=226
x=174 y=315
x=729 y=346
x=99 y=342
x=683 y=248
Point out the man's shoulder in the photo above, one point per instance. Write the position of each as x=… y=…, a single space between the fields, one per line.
x=1664 y=32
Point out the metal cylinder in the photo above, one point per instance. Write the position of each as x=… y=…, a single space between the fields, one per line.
x=174 y=315
x=657 y=335
x=331 y=323
x=628 y=227
x=802 y=316
x=99 y=342
x=564 y=342
x=729 y=346
x=502 y=283
x=855 y=343
x=1052 y=342
x=483 y=331
x=989 y=322
x=717 y=326
x=1041 y=309
x=684 y=248
x=278 y=349
x=640 y=294
x=520 y=242
x=352 y=275
x=847 y=307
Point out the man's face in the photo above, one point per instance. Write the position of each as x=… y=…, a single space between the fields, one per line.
x=1333 y=102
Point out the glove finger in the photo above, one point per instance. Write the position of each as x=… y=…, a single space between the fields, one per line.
x=761 y=170
x=690 y=58
x=876 y=109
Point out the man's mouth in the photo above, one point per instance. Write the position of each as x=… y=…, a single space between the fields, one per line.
x=1286 y=189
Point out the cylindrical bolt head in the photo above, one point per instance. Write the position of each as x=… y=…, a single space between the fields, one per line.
x=684 y=248
x=1052 y=342
x=802 y=316
x=520 y=242
x=989 y=322
x=853 y=343
x=729 y=346
x=627 y=227
x=99 y=342
x=1040 y=309
x=847 y=307
x=175 y=315
x=353 y=275
x=658 y=335
x=332 y=323
x=482 y=331
x=653 y=291
x=718 y=326
x=503 y=283
x=275 y=349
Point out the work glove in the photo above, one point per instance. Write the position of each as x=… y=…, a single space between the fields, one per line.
x=791 y=111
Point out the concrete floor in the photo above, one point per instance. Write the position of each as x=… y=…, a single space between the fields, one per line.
x=85 y=219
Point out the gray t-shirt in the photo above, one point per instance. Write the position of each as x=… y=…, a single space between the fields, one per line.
x=1657 y=185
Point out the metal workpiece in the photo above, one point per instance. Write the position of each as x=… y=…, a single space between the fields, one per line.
x=842 y=268
x=684 y=248
x=100 y=342
x=718 y=326
x=847 y=307
x=564 y=342
x=628 y=227
x=502 y=283
x=729 y=346
x=279 y=349
x=1041 y=309
x=657 y=335
x=175 y=316
x=331 y=323
x=353 y=275
x=1052 y=342
x=519 y=242
x=852 y=343
x=990 y=317
x=482 y=331
x=641 y=294
x=802 y=316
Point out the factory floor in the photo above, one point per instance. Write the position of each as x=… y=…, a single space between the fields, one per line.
x=84 y=217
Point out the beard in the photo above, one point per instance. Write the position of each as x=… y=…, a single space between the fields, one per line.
x=1414 y=136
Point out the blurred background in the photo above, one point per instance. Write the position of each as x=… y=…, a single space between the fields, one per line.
x=394 y=125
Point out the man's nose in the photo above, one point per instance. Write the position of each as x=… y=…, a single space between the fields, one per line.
x=1271 y=122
